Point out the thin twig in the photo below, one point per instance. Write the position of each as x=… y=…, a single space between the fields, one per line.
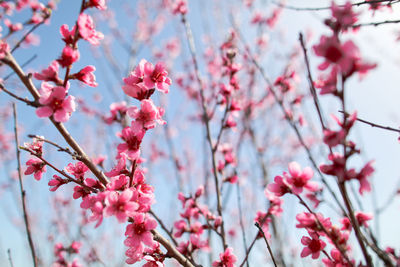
x=161 y=223
x=266 y=241
x=374 y=124
x=25 y=100
x=241 y=220
x=311 y=81
x=173 y=155
x=355 y=224
x=17 y=45
x=249 y=250
x=70 y=178
x=172 y=251
x=287 y=118
x=27 y=81
x=376 y=23
x=321 y=226
x=328 y=7
x=10 y=258
x=23 y=193
x=206 y=120
x=59 y=148
x=22 y=66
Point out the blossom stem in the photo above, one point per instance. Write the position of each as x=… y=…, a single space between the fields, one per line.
x=75 y=41
x=328 y=7
x=374 y=124
x=10 y=258
x=25 y=100
x=173 y=252
x=311 y=82
x=266 y=241
x=287 y=118
x=23 y=193
x=340 y=248
x=206 y=119
x=27 y=81
x=60 y=148
x=63 y=173
x=342 y=186
x=169 y=232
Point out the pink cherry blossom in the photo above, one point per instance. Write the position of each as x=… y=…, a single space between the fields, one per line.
x=133 y=138
x=362 y=176
x=308 y=221
x=148 y=114
x=68 y=56
x=12 y=27
x=87 y=30
x=36 y=146
x=50 y=74
x=156 y=77
x=226 y=259
x=337 y=260
x=67 y=35
x=120 y=205
x=363 y=218
x=4 y=49
x=35 y=166
x=263 y=219
x=343 y=16
x=54 y=103
x=118 y=183
x=179 y=7
x=86 y=76
x=117 y=110
x=99 y=4
x=138 y=232
x=134 y=86
x=275 y=203
x=56 y=182
x=198 y=243
x=299 y=179
x=313 y=246
x=335 y=53
x=279 y=187
x=328 y=84
x=78 y=170
x=345 y=56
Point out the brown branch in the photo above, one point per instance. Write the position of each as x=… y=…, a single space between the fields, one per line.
x=206 y=120
x=342 y=186
x=25 y=100
x=172 y=251
x=355 y=224
x=311 y=81
x=22 y=66
x=376 y=23
x=287 y=118
x=374 y=124
x=10 y=258
x=74 y=43
x=74 y=155
x=70 y=178
x=161 y=223
x=328 y=7
x=23 y=193
x=321 y=226
x=18 y=44
x=27 y=81
x=266 y=241
x=249 y=250
x=241 y=219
